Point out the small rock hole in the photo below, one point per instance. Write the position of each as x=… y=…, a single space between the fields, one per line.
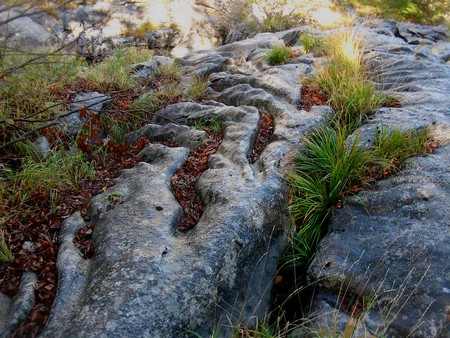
x=159 y=208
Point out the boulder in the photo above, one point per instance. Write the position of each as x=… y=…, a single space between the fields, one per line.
x=71 y=122
x=19 y=30
x=13 y=311
x=148 y=279
x=386 y=253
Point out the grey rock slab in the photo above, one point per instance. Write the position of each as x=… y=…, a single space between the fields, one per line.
x=93 y=101
x=390 y=245
x=145 y=70
x=417 y=34
x=180 y=135
x=15 y=310
x=21 y=31
x=148 y=280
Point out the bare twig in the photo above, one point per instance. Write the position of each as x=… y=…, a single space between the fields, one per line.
x=11 y=70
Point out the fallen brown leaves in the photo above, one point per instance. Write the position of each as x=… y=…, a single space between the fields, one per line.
x=185 y=178
x=39 y=225
x=266 y=129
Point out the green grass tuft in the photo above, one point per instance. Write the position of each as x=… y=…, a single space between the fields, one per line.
x=328 y=164
x=214 y=124
x=115 y=72
x=393 y=147
x=309 y=42
x=278 y=55
x=196 y=89
x=5 y=254
x=37 y=178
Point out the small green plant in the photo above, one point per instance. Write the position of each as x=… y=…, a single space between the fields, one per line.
x=113 y=197
x=141 y=31
x=309 y=42
x=393 y=146
x=214 y=124
x=278 y=55
x=5 y=254
x=196 y=88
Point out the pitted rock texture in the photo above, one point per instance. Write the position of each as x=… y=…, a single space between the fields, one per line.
x=147 y=279
x=390 y=245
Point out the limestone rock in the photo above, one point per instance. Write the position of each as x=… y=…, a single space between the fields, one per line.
x=15 y=310
x=146 y=278
x=390 y=246
x=93 y=101
x=19 y=30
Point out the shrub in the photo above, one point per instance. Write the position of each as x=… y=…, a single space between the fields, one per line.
x=420 y=11
x=278 y=55
x=277 y=21
x=141 y=31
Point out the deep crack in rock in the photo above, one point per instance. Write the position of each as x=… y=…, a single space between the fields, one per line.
x=184 y=180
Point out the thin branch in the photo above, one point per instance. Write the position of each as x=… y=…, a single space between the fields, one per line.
x=11 y=70
x=24 y=136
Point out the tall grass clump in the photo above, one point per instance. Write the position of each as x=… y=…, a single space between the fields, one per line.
x=115 y=72
x=278 y=55
x=344 y=79
x=39 y=178
x=327 y=166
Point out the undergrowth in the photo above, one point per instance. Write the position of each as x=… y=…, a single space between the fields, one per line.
x=36 y=179
x=114 y=73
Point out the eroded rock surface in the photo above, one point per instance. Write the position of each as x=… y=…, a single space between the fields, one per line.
x=389 y=247
x=147 y=279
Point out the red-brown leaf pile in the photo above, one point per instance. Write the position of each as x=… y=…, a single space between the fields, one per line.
x=266 y=128
x=185 y=178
